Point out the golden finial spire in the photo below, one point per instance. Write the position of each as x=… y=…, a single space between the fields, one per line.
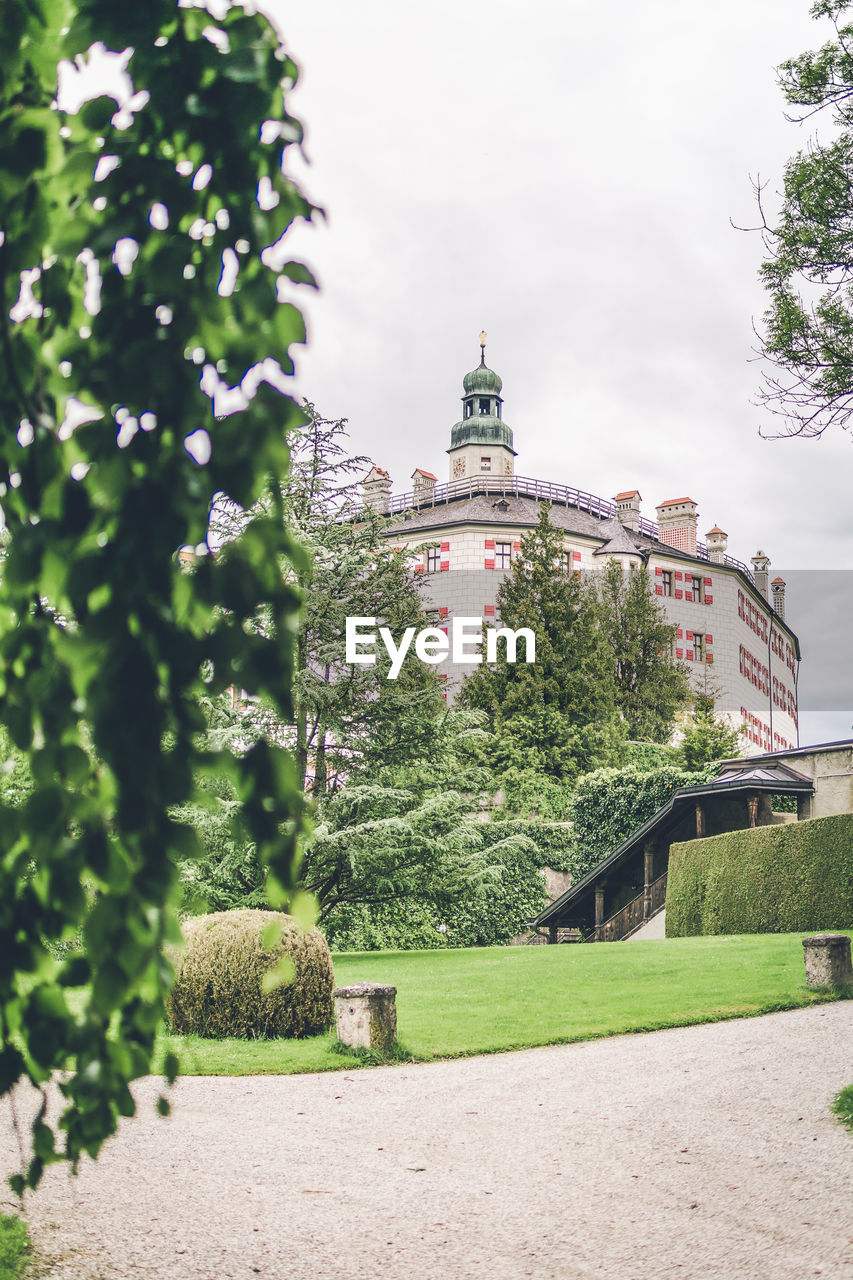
x=482 y=347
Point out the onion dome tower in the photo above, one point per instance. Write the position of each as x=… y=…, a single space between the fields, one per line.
x=481 y=444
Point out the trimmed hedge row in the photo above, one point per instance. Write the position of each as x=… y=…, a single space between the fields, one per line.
x=779 y=879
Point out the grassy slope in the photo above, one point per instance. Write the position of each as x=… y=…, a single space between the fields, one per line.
x=486 y=1000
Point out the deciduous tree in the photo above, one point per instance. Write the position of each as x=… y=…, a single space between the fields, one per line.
x=144 y=232
x=807 y=334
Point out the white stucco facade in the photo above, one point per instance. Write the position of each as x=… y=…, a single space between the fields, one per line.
x=464 y=535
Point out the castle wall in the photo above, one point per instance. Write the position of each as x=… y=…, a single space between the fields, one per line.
x=746 y=658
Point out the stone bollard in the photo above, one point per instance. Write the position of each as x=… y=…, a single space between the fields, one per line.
x=827 y=957
x=366 y=1016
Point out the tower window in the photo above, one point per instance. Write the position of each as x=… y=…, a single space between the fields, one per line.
x=485 y=464
x=467 y=408
x=433 y=560
x=485 y=404
x=503 y=555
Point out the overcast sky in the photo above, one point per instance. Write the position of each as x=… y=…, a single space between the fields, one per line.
x=564 y=176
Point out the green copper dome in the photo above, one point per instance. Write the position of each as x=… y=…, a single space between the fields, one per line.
x=482 y=379
x=483 y=429
x=482 y=408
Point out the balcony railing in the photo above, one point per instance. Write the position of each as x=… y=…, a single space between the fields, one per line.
x=527 y=487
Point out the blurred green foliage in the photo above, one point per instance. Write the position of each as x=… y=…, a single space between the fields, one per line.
x=128 y=223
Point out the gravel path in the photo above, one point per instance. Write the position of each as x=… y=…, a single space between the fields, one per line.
x=702 y=1152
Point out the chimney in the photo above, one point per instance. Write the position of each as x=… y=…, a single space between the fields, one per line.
x=760 y=566
x=423 y=483
x=778 y=588
x=677 y=524
x=717 y=542
x=376 y=490
x=628 y=509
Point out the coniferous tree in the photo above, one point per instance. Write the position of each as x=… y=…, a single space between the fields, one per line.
x=650 y=685
x=347 y=718
x=707 y=737
x=559 y=714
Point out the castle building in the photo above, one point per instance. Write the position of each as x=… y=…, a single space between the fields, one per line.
x=464 y=535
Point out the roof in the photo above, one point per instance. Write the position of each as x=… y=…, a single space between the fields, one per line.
x=497 y=507
x=740 y=775
x=716 y=529
x=753 y=770
x=482 y=379
x=675 y=502
x=514 y=509
x=482 y=429
x=419 y=471
x=629 y=493
x=619 y=541
x=777 y=580
x=843 y=744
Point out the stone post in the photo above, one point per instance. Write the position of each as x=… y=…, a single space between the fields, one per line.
x=366 y=1016
x=827 y=959
x=700 y=821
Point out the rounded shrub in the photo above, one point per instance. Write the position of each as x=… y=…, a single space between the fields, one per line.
x=219 y=979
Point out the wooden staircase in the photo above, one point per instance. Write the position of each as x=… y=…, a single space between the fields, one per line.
x=633 y=915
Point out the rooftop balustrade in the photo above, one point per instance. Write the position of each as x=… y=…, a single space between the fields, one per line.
x=527 y=487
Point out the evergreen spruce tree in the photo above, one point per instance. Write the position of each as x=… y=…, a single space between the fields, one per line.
x=706 y=737
x=650 y=685
x=558 y=715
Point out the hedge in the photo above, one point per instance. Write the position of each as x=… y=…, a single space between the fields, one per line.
x=777 y=879
x=609 y=804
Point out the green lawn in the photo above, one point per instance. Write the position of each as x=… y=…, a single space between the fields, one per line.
x=451 y=1003
x=14 y=1246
